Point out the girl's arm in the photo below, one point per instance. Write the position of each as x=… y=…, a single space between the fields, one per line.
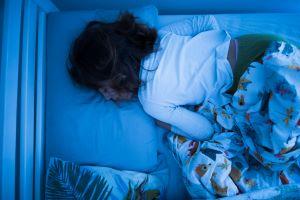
x=192 y=26
x=182 y=121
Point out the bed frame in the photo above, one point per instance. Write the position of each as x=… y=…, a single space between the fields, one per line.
x=22 y=98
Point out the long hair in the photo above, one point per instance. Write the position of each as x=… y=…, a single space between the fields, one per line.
x=111 y=51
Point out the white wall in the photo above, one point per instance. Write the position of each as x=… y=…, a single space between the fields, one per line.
x=187 y=6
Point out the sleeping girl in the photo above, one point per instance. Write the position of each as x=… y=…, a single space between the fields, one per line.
x=185 y=63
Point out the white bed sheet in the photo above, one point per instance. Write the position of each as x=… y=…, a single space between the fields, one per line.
x=283 y=24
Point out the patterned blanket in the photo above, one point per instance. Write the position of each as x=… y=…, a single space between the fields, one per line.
x=256 y=141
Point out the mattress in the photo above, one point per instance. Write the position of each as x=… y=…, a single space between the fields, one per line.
x=285 y=25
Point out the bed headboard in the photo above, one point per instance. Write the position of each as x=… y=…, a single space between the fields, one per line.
x=175 y=7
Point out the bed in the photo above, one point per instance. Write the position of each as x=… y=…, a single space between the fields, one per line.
x=58 y=28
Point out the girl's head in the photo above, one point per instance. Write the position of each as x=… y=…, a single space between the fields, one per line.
x=107 y=56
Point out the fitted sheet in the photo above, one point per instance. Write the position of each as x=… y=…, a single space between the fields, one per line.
x=283 y=24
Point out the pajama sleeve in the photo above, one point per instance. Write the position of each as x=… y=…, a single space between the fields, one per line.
x=183 y=121
x=192 y=26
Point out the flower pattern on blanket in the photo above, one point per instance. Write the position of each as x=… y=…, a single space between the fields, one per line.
x=256 y=137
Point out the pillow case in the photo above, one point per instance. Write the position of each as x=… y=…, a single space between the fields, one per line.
x=80 y=125
x=67 y=180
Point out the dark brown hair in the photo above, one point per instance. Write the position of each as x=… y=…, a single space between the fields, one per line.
x=111 y=51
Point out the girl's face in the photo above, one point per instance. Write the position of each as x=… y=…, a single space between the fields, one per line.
x=111 y=94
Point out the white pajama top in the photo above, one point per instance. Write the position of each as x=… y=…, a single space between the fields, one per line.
x=189 y=67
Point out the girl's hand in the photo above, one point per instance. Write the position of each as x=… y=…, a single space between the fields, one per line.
x=163 y=125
